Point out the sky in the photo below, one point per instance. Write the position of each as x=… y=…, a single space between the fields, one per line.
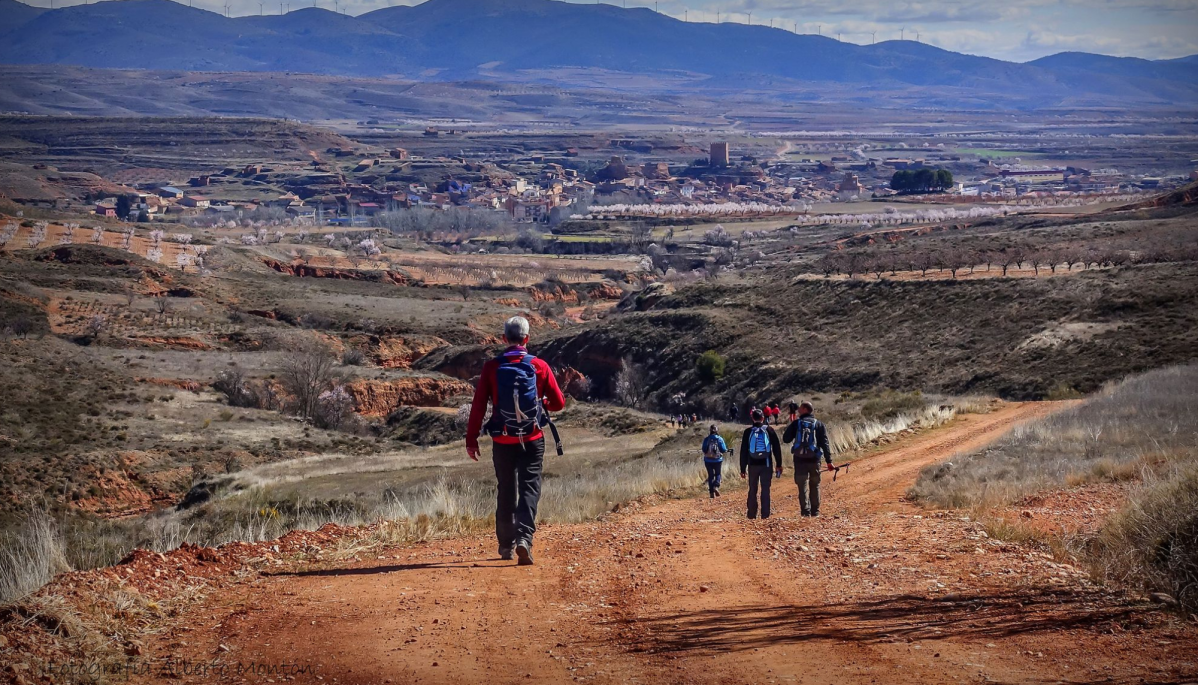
x=1014 y=30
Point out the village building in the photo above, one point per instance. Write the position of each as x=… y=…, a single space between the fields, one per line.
x=195 y=202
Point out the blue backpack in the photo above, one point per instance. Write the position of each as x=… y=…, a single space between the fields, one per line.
x=806 y=445
x=518 y=411
x=759 y=444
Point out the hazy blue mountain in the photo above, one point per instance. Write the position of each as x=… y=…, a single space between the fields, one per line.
x=549 y=41
x=1128 y=67
x=14 y=15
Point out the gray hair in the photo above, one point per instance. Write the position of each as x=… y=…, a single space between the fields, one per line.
x=515 y=329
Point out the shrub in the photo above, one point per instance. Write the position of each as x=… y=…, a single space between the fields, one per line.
x=352 y=356
x=1062 y=391
x=711 y=366
x=890 y=404
x=1153 y=542
x=233 y=385
x=717 y=237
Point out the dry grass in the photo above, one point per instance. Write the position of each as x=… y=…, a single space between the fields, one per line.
x=850 y=437
x=1143 y=430
x=30 y=556
x=1130 y=427
x=1153 y=542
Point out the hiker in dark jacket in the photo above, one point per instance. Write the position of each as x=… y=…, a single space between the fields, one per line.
x=810 y=445
x=714 y=449
x=517 y=440
x=760 y=461
x=733 y=412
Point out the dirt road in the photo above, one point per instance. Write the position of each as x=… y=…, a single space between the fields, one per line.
x=688 y=591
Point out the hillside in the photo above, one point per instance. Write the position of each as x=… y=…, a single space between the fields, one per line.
x=534 y=40
x=14 y=15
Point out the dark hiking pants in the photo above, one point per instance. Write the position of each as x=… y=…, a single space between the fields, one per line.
x=518 y=476
x=807 y=473
x=715 y=473
x=760 y=477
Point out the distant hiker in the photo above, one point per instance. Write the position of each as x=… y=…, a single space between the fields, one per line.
x=794 y=413
x=694 y=418
x=810 y=444
x=733 y=412
x=775 y=412
x=521 y=390
x=761 y=461
x=714 y=449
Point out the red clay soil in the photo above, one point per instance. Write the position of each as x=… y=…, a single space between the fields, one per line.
x=307 y=271
x=875 y=590
x=380 y=398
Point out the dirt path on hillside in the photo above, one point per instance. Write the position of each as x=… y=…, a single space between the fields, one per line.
x=688 y=591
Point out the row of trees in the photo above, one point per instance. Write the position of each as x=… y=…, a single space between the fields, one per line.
x=921 y=180
x=958 y=259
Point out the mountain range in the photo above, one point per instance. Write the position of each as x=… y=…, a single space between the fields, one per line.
x=553 y=42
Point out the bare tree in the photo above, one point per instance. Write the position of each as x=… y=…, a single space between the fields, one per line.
x=307 y=371
x=954 y=260
x=973 y=258
x=1018 y=256
x=877 y=266
x=829 y=264
x=95 y=326
x=20 y=325
x=851 y=263
x=630 y=383
x=1006 y=259
x=923 y=261
x=892 y=261
x=162 y=304
x=1072 y=257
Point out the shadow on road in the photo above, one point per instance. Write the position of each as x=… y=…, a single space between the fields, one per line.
x=893 y=618
x=394 y=568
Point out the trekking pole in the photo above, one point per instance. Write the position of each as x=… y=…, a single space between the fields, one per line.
x=837 y=467
x=557 y=439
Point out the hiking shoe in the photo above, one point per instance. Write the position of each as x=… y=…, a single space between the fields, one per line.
x=505 y=553
x=524 y=553
x=815 y=513
x=805 y=513
x=717 y=492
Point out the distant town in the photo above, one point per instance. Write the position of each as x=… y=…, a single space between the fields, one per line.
x=349 y=186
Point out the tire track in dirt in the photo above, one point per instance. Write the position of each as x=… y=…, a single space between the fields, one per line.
x=688 y=591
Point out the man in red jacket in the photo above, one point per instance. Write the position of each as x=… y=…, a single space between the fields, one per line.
x=517 y=440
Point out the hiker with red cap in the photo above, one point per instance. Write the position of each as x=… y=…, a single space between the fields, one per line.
x=521 y=390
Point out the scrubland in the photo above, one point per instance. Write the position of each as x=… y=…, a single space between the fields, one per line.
x=1143 y=433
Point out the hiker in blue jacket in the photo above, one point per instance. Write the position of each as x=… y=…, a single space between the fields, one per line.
x=714 y=450
x=760 y=461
